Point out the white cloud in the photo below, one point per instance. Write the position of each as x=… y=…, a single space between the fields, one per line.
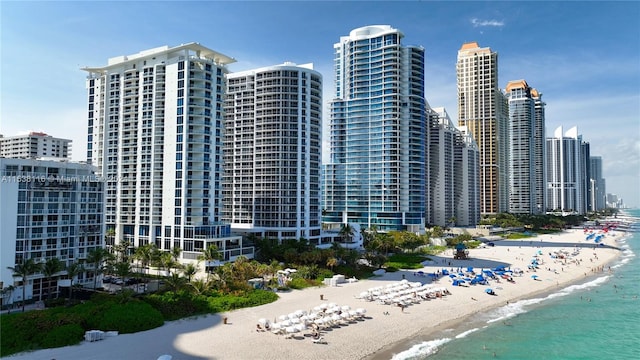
x=481 y=23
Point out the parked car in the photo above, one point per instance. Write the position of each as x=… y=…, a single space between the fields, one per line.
x=133 y=281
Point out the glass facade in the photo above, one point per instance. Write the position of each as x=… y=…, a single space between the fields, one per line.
x=376 y=175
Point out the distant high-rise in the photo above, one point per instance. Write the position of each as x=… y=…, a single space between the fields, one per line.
x=272 y=152
x=155 y=123
x=526 y=151
x=452 y=196
x=483 y=110
x=539 y=156
x=565 y=170
x=34 y=145
x=376 y=174
x=466 y=171
x=597 y=199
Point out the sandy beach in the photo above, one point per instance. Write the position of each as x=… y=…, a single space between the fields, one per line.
x=207 y=337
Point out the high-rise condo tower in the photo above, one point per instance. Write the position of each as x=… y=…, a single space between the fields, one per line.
x=376 y=174
x=483 y=110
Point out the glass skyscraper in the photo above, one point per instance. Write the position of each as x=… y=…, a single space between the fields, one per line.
x=526 y=149
x=376 y=174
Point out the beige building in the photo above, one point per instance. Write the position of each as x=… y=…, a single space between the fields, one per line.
x=34 y=145
x=483 y=110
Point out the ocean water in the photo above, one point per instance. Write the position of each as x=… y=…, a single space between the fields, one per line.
x=596 y=319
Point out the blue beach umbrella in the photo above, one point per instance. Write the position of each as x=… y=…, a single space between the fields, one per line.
x=534 y=277
x=489 y=291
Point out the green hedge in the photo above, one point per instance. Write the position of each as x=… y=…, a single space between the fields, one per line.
x=64 y=326
x=130 y=318
x=183 y=304
x=405 y=261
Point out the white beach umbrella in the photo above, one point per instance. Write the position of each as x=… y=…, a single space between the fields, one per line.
x=345 y=308
x=263 y=321
x=285 y=323
x=283 y=317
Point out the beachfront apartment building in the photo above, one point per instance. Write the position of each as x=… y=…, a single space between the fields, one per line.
x=483 y=110
x=50 y=209
x=566 y=171
x=272 y=152
x=597 y=185
x=526 y=149
x=155 y=130
x=377 y=168
x=34 y=145
x=452 y=194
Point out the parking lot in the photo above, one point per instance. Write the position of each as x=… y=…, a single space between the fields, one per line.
x=114 y=284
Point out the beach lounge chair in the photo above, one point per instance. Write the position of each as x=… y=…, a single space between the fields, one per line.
x=320 y=340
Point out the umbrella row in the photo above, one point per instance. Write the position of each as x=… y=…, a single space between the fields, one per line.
x=323 y=316
x=402 y=293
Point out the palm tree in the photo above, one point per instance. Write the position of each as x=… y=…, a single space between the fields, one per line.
x=167 y=262
x=51 y=267
x=97 y=257
x=346 y=232
x=332 y=262
x=109 y=238
x=73 y=270
x=23 y=270
x=122 y=249
x=175 y=253
x=123 y=270
x=189 y=270
x=175 y=282
x=211 y=253
x=200 y=286
x=144 y=254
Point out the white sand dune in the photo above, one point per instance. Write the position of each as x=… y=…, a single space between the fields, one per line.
x=207 y=337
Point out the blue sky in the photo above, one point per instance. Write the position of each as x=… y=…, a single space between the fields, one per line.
x=584 y=57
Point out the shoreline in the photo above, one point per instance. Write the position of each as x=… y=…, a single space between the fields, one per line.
x=461 y=325
x=378 y=335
